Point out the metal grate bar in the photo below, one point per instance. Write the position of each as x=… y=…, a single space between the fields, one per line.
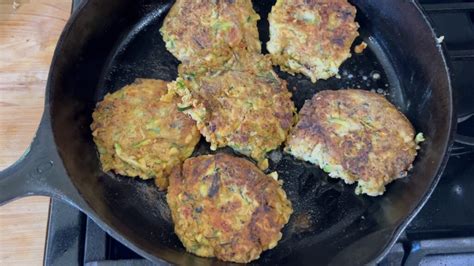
x=461 y=54
x=449 y=7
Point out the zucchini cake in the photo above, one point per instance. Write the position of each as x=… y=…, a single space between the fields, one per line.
x=312 y=37
x=242 y=104
x=224 y=206
x=139 y=132
x=355 y=135
x=208 y=31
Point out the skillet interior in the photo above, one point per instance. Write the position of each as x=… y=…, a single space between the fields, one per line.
x=110 y=43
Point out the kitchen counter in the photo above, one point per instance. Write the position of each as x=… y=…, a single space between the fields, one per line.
x=29 y=30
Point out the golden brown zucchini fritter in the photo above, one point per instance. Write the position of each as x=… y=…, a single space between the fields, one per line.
x=355 y=135
x=206 y=30
x=312 y=37
x=243 y=104
x=139 y=131
x=225 y=207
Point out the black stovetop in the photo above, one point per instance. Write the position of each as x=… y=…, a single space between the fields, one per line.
x=441 y=234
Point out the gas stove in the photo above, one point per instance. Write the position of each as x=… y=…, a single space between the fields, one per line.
x=441 y=234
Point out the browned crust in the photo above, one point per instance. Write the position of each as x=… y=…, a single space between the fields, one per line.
x=241 y=230
x=209 y=28
x=337 y=39
x=382 y=149
x=326 y=40
x=247 y=106
x=139 y=131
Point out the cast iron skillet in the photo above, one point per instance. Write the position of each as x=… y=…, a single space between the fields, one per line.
x=109 y=43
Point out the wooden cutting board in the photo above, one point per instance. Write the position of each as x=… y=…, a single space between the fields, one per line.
x=29 y=30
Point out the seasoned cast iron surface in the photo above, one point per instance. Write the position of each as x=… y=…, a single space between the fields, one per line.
x=327 y=213
x=322 y=206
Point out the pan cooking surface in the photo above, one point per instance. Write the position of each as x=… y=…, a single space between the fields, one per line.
x=324 y=209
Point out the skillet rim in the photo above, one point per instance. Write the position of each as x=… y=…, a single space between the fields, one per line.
x=448 y=143
x=398 y=228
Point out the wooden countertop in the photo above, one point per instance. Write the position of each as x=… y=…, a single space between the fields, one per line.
x=29 y=30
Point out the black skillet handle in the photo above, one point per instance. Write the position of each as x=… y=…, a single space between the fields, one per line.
x=39 y=171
